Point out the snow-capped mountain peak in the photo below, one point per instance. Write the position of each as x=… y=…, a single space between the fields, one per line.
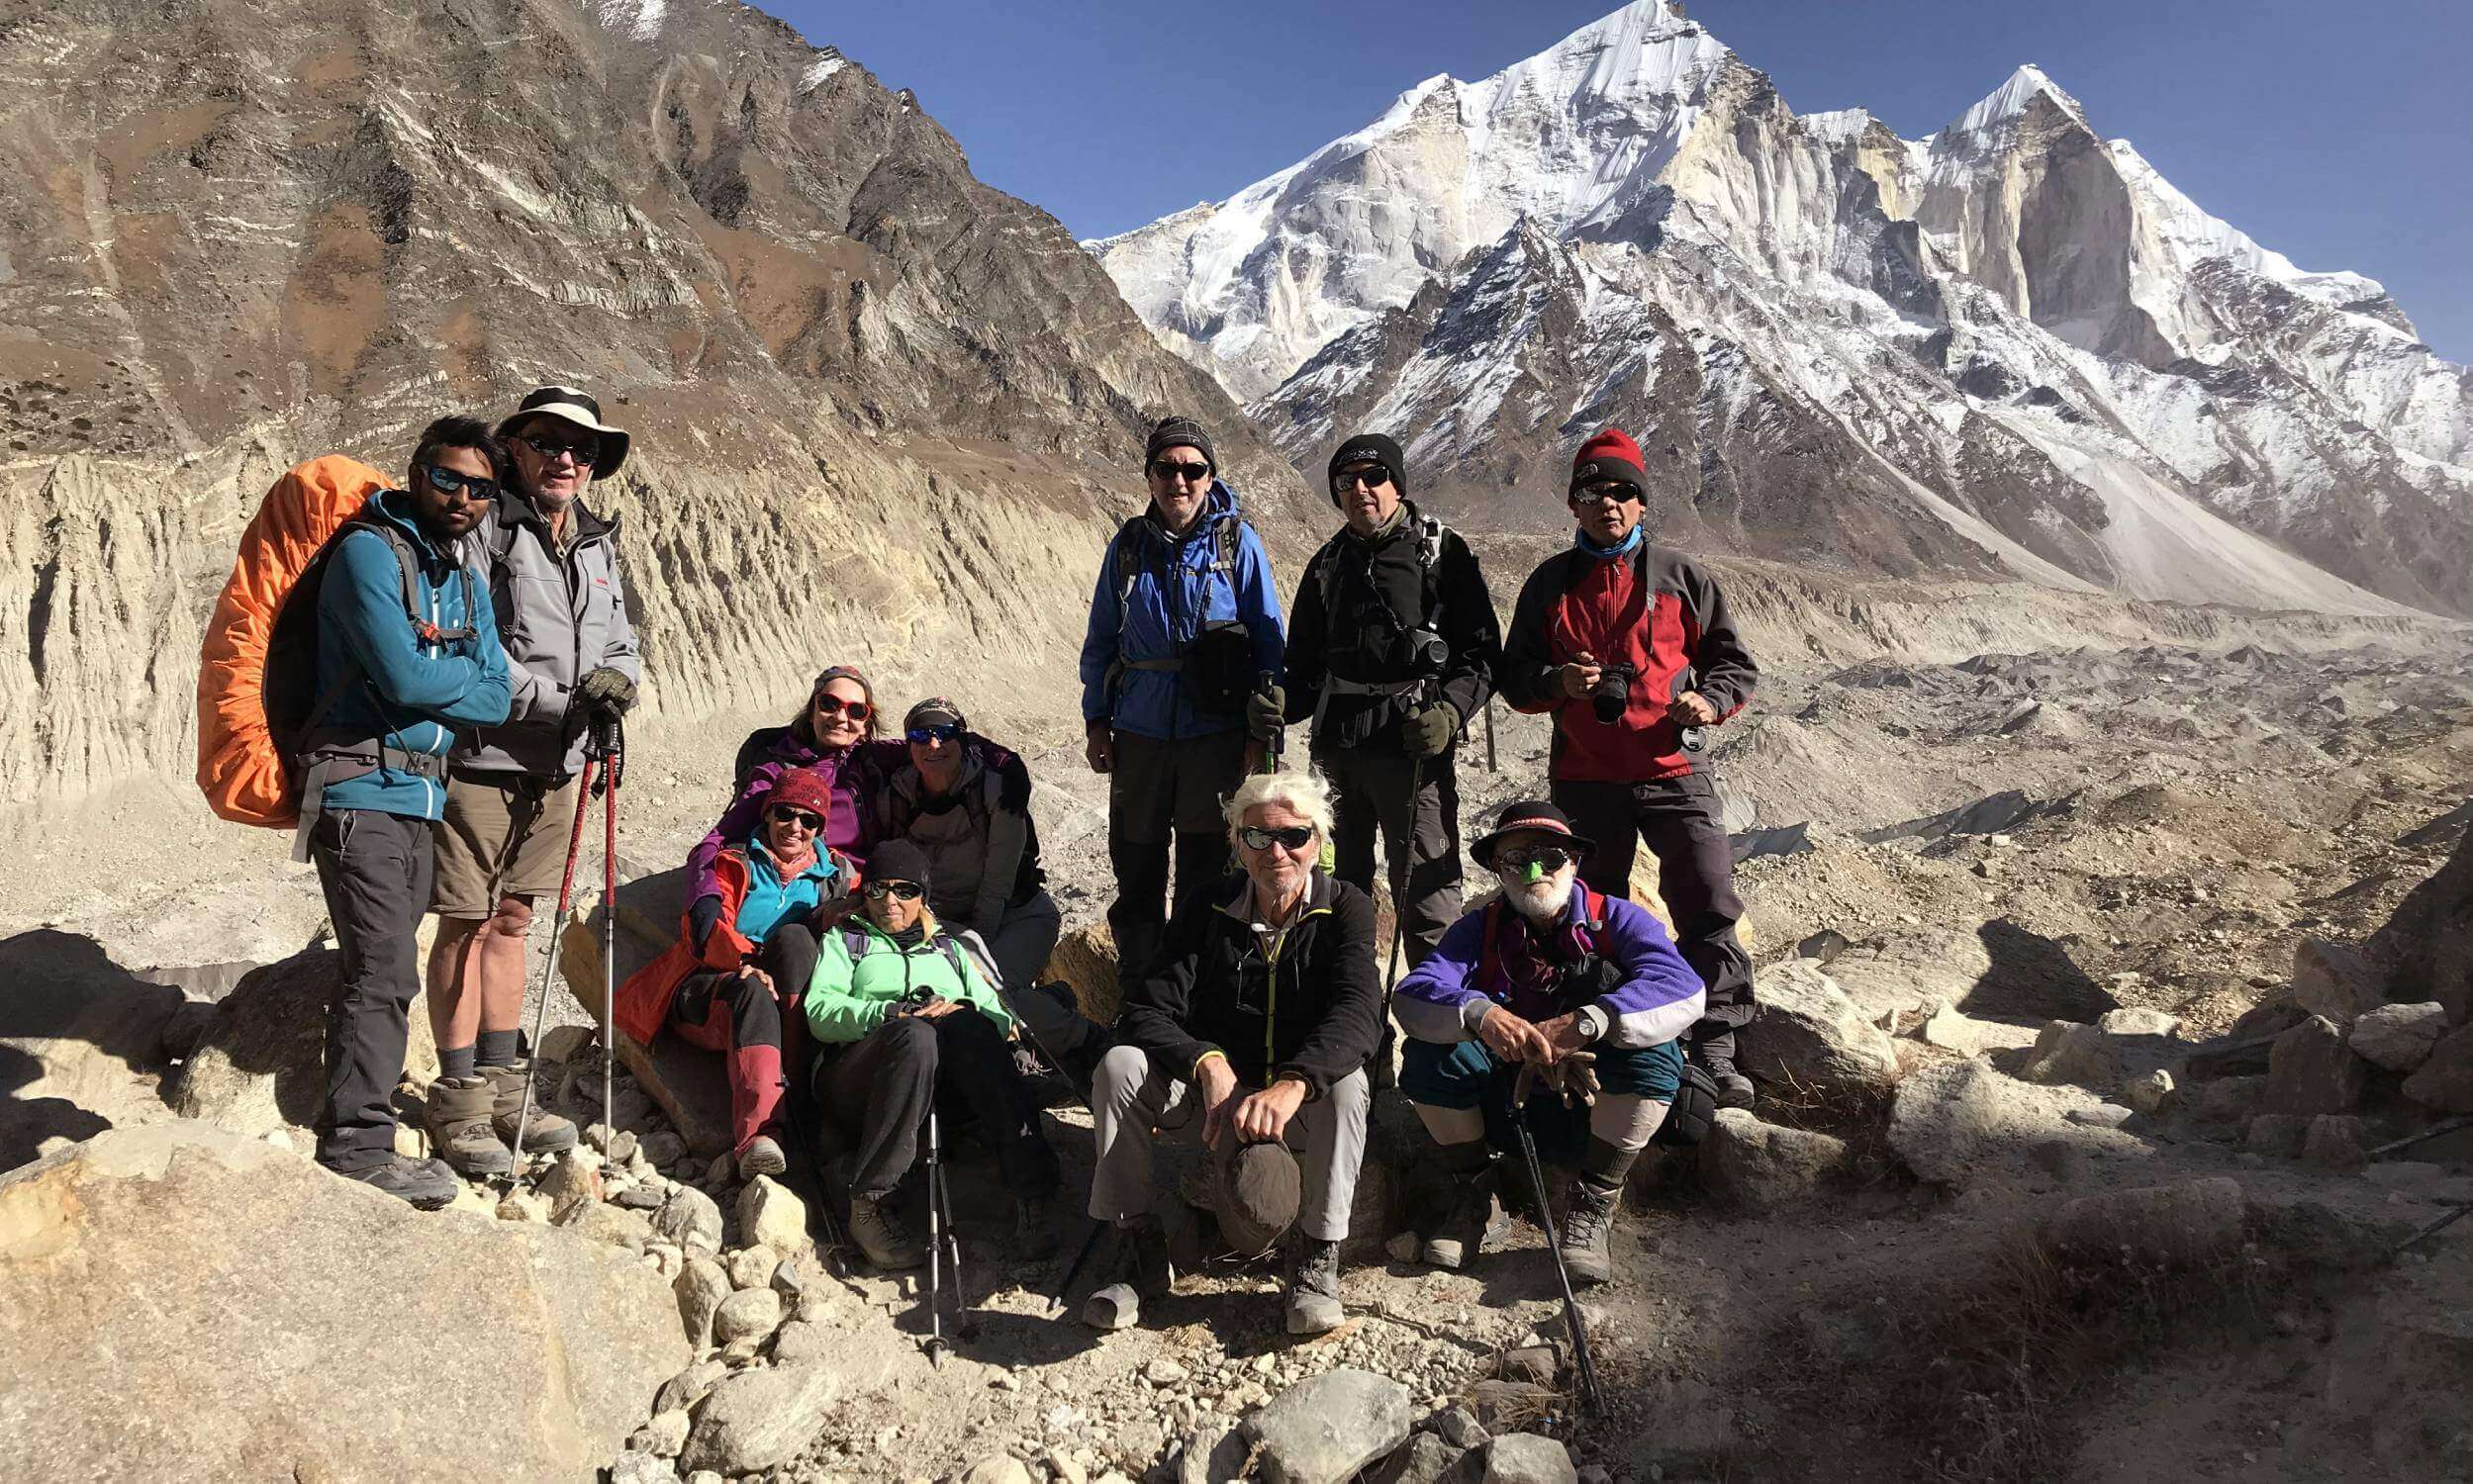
x=2011 y=101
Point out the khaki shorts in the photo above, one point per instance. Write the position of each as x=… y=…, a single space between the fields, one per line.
x=499 y=841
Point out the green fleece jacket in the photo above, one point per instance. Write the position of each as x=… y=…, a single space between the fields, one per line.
x=846 y=1000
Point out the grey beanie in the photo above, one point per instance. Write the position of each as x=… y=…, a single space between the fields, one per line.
x=1178 y=433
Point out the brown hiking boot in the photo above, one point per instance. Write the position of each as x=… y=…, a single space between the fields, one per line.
x=1587 y=1226
x=458 y=1121
x=544 y=1133
x=883 y=1236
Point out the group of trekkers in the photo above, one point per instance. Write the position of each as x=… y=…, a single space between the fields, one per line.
x=867 y=924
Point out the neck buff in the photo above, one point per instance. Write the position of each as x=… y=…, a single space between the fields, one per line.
x=910 y=937
x=1629 y=544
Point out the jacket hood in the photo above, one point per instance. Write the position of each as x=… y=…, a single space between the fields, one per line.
x=397 y=508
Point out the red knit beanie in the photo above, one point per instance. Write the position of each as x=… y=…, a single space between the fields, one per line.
x=1610 y=455
x=803 y=789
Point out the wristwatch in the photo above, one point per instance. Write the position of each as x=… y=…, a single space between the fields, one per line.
x=1592 y=1022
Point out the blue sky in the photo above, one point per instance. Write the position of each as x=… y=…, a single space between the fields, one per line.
x=2339 y=134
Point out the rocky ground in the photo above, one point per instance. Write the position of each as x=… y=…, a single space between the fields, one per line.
x=2070 y=1072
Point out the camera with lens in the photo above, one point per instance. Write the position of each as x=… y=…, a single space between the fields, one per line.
x=1612 y=695
x=918 y=998
x=1423 y=651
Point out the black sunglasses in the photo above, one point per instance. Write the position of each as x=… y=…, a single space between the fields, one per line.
x=809 y=822
x=1547 y=857
x=1614 y=490
x=902 y=890
x=942 y=731
x=1294 y=837
x=1194 y=473
x=1346 y=479
x=551 y=448
x=470 y=486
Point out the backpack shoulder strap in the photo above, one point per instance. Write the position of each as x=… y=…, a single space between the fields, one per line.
x=854 y=943
x=1225 y=541
x=1488 y=958
x=1128 y=565
x=952 y=947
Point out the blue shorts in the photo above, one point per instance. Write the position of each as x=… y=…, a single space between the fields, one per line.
x=1467 y=1074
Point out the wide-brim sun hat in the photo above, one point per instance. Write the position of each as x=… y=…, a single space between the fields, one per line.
x=569 y=404
x=1257 y=1189
x=1529 y=816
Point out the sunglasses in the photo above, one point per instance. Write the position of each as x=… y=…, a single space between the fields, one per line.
x=812 y=823
x=469 y=485
x=1192 y=473
x=942 y=731
x=551 y=448
x=1349 y=479
x=1294 y=837
x=831 y=705
x=1615 y=491
x=898 y=890
x=1547 y=857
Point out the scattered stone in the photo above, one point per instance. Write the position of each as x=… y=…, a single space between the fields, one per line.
x=2069 y=1053
x=2134 y=1020
x=637 y=1466
x=643 y=1197
x=1953 y=1030
x=2446 y=1080
x=1165 y=1372
x=1323 y=1430
x=613 y=1225
x=1528 y=1458
x=1806 y=1032
x=769 y=1215
x=2336 y=1141
x=2264 y=1022
x=2311 y=1071
x=788 y=1281
x=1509 y=1406
x=756 y=1419
x=1540 y=1364
x=701 y=1287
x=750 y=1315
x=800 y=1341
x=2277 y=1133
x=1425 y=1458
x=1000 y=1468
x=691 y=1219
x=665 y=1437
x=683 y=1391
x=1402 y=1247
x=1457 y=1426
x=2172 y=1226
x=664 y=1150
x=2336 y=982
x=560 y=1043
x=2101 y=1116
x=1214 y=1449
x=1761 y=1167
x=522 y=1205
x=2399 y=1037
x=2227 y=1100
x=751 y=1266
x=2152 y=1094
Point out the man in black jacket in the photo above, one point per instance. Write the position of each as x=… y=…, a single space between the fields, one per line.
x=1251 y=1027
x=1393 y=644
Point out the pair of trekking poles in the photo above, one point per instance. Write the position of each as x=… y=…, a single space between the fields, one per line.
x=605 y=751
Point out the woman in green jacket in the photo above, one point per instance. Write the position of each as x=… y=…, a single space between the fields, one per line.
x=904 y=1014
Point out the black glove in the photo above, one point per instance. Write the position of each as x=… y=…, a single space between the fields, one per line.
x=1266 y=714
x=607 y=690
x=1428 y=733
x=703 y=916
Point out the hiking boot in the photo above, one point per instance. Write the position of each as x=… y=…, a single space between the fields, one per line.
x=881 y=1235
x=1733 y=1089
x=427 y=1184
x=545 y=1132
x=761 y=1157
x=1475 y=1221
x=1314 y=1287
x=1139 y=1269
x=1034 y=1228
x=459 y=1119
x=1586 y=1228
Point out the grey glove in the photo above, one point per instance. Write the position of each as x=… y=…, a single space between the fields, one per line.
x=1428 y=733
x=605 y=689
x=1266 y=714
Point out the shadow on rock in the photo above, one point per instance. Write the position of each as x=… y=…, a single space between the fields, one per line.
x=81 y=1041
x=2031 y=979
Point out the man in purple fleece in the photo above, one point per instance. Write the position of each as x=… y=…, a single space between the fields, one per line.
x=1548 y=969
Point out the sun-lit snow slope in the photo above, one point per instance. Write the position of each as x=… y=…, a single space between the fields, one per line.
x=1836 y=343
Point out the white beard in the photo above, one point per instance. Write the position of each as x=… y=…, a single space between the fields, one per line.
x=1540 y=901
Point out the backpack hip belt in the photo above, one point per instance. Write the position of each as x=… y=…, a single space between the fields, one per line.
x=342 y=762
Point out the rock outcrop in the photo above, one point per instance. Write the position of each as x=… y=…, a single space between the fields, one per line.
x=187 y=1303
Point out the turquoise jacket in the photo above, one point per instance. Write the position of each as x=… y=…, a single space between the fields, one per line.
x=770 y=899
x=413 y=693
x=846 y=1000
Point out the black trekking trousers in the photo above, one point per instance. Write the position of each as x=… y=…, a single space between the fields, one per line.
x=879 y=1088
x=1678 y=819
x=374 y=870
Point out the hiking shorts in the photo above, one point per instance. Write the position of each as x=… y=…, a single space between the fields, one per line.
x=501 y=839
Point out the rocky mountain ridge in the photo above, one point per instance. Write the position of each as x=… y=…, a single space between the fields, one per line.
x=2011 y=347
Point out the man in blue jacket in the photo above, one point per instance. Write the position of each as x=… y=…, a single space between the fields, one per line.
x=1182 y=622
x=407 y=652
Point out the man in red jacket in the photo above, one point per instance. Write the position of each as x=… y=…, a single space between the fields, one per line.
x=1629 y=647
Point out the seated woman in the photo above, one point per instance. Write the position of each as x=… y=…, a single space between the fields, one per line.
x=1549 y=975
x=836 y=734
x=1254 y=1025
x=965 y=801
x=744 y=952
x=903 y=1016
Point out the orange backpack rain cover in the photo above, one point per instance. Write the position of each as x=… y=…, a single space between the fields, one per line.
x=241 y=767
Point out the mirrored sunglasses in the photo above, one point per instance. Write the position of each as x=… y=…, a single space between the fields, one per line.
x=1547 y=857
x=1192 y=473
x=942 y=731
x=898 y=890
x=469 y=485
x=1294 y=837
x=553 y=448
x=1349 y=479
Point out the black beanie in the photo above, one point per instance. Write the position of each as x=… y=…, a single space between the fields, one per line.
x=1371 y=447
x=1178 y=433
x=896 y=861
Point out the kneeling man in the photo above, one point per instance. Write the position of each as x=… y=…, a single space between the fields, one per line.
x=1547 y=969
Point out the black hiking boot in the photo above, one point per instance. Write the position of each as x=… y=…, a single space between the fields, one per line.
x=1586 y=1230
x=426 y=1184
x=1733 y=1089
x=1314 y=1287
x=1034 y=1228
x=1473 y=1222
x=1138 y=1269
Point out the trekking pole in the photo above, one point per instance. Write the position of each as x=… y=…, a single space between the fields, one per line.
x=540 y=1000
x=943 y=1248
x=1277 y=743
x=610 y=740
x=1583 y=1365
x=816 y=1170
x=1491 y=766
x=1073 y=1270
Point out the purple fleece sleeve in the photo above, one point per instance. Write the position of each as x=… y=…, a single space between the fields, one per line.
x=1660 y=995
x=1438 y=1001
x=737 y=822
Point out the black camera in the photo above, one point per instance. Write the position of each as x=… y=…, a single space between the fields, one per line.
x=1612 y=695
x=1423 y=651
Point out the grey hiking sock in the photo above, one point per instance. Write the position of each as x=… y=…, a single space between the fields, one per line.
x=1606 y=1164
x=496 y=1049
x=455 y=1061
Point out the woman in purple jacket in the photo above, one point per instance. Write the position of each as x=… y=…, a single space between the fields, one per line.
x=1553 y=976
